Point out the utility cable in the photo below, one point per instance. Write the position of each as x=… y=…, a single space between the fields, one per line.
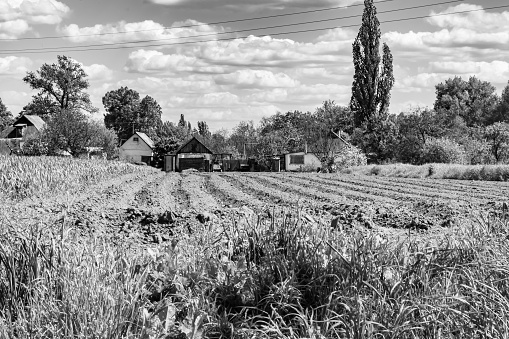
x=198 y=25
x=83 y=49
x=243 y=30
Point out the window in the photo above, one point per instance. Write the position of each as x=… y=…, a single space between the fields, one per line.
x=135 y=139
x=296 y=159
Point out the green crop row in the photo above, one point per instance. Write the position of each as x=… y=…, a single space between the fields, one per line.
x=22 y=177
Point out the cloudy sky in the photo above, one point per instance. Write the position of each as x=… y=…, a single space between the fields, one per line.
x=207 y=60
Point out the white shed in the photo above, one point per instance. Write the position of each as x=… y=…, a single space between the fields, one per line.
x=138 y=148
x=299 y=160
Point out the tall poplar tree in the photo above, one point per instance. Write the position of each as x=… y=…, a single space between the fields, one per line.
x=373 y=78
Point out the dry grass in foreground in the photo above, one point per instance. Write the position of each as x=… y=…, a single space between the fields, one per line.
x=283 y=276
x=436 y=171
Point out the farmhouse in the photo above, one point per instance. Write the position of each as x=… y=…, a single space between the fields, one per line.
x=193 y=153
x=138 y=148
x=23 y=126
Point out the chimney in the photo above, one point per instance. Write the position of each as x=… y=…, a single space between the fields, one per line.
x=305 y=147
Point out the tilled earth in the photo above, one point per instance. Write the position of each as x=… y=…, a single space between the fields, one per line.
x=152 y=206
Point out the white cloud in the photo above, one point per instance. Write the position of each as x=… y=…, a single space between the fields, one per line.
x=139 y=31
x=479 y=21
x=496 y=71
x=13 y=65
x=15 y=100
x=246 y=78
x=248 y=5
x=315 y=94
x=13 y=29
x=257 y=97
x=34 y=11
x=338 y=34
x=149 y=61
x=218 y=99
x=98 y=72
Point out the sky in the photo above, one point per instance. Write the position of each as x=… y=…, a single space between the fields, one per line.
x=226 y=61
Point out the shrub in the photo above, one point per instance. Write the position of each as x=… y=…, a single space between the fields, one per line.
x=477 y=152
x=442 y=151
x=348 y=157
x=35 y=146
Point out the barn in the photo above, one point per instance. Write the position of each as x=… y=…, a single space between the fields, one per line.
x=138 y=148
x=24 y=125
x=193 y=153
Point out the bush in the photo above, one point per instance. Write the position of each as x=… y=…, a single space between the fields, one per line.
x=35 y=146
x=477 y=152
x=443 y=151
x=350 y=156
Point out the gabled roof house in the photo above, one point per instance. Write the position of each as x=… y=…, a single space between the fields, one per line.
x=138 y=148
x=23 y=126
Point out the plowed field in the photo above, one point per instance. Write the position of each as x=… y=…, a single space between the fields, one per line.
x=148 y=207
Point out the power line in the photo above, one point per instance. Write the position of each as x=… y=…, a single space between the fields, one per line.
x=198 y=25
x=81 y=49
x=237 y=31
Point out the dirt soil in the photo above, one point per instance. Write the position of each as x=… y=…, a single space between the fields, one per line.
x=151 y=207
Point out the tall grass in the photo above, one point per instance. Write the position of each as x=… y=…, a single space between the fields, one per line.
x=436 y=171
x=21 y=177
x=283 y=276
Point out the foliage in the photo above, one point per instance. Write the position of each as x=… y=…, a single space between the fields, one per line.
x=477 y=151
x=104 y=138
x=149 y=116
x=378 y=141
x=442 y=150
x=165 y=146
x=348 y=157
x=220 y=142
x=373 y=75
x=474 y=101
x=63 y=83
x=35 y=145
x=244 y=138
x=323 y=128
x=6 y=118
x=71 y=132
x=502 y=111
x=126 y=114
x=414 y=128
x=42 y=106
x=498 y=139
x=203 y=129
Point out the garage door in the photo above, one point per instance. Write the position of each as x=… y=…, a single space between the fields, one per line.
x=196 y=163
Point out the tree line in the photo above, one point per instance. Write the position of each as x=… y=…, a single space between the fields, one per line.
x=468 y=123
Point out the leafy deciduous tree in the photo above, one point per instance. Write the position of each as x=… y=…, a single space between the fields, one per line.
x=64 y=83
x=502 y=110
x=41 y=105
x=5 y=116
x=474 y=101
x=70 y=131
x=498 y=138
x=126 y=114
